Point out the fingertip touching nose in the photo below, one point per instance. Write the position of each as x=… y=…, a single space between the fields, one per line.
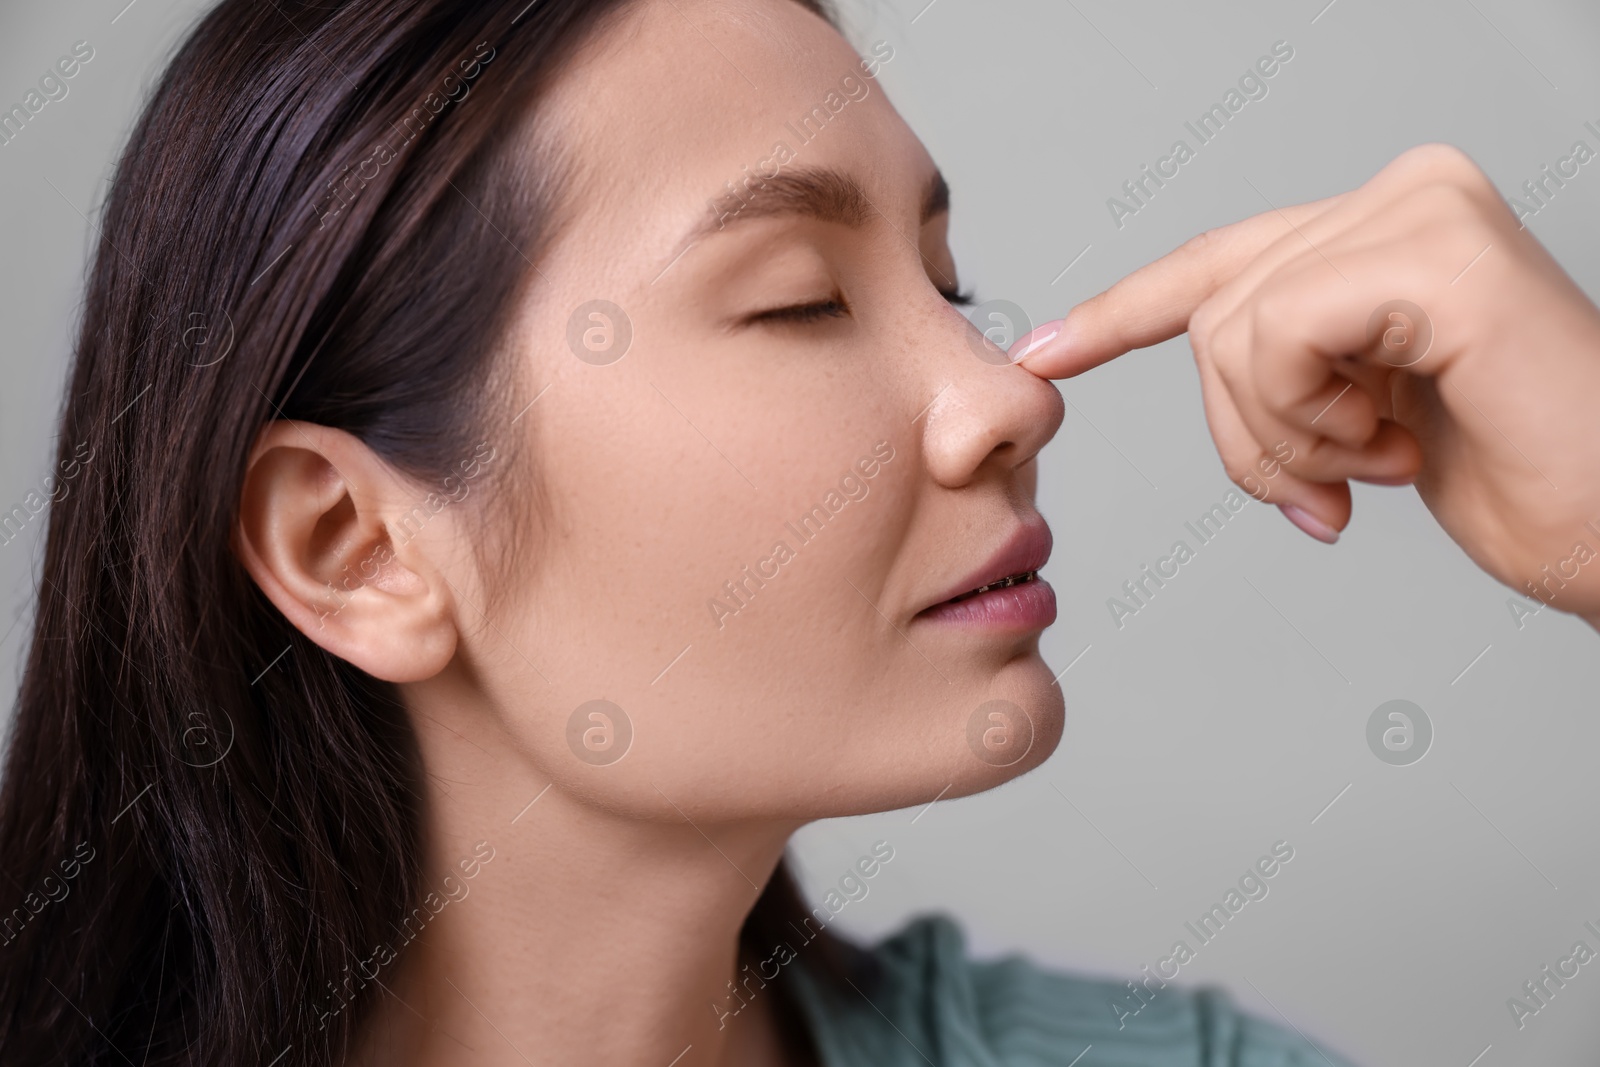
x=1034 y=340
x=986 y=415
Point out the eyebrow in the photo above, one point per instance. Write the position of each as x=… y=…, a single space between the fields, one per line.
x=818 y=193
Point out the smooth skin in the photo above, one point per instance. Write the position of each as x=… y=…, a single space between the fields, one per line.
x=769 y=355
x=1494 y=423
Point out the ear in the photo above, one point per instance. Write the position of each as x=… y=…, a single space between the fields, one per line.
x=320 y=531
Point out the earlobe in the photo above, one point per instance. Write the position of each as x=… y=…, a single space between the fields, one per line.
x=315 y=515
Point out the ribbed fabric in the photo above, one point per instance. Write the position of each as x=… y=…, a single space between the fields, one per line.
x=937 y=1007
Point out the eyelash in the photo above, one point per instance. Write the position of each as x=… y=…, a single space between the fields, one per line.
x=834 y=308
x=803 y=313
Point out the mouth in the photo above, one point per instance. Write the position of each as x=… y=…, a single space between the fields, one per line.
x=1005 y=593
x=1005 y=583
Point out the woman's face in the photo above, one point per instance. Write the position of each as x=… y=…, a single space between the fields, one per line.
x=742 y=520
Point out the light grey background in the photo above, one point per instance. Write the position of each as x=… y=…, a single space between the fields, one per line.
x=1230 y=712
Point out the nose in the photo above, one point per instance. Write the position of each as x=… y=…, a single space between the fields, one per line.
x=983 y=414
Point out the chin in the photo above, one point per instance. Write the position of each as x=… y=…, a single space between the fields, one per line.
x=1007 y=724
x=1016 y=727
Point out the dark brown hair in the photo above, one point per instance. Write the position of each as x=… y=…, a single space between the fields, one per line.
x=205 y=819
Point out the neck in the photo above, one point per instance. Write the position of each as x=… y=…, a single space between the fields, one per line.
x=560 y=933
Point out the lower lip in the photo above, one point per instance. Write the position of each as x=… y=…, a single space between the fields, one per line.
x=1029 y=606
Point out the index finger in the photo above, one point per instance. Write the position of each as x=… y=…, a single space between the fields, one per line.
x=1155 y=302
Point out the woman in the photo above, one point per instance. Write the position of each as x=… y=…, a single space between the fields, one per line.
x=524 y=485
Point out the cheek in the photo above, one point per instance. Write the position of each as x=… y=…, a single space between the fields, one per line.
x=712 y=476
x=701 y=570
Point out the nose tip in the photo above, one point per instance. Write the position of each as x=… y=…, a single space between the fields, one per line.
x=990 y=414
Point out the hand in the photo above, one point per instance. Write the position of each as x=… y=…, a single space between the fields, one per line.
x=1408 y=331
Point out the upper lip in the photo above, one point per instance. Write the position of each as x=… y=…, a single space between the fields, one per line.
x=1027 y=549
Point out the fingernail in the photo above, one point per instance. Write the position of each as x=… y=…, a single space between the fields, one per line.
x=1309 y=523
x=1036 y=339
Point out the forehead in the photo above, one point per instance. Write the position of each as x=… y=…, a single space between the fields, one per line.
x=674 y=100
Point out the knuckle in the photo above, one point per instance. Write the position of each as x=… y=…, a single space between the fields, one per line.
x=1203 y=328
x=1317 y=457
x=1438 y=163
x=1241 y=468
x=1451 y=224
x=1204 y=247
x=1201 y=242
x=1447 y=202
x=1274 y=315
x=1434 y=159
x=1441 y=154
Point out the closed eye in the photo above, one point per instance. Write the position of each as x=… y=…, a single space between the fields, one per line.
x=832 y=308
x=836 y=308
